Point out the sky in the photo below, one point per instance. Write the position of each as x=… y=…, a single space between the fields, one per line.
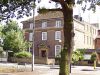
x=88 y=16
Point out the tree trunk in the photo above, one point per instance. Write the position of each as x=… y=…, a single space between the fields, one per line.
x=66 y=53
x=94 y=64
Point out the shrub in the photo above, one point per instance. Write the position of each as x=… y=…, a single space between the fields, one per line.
x=23 y=54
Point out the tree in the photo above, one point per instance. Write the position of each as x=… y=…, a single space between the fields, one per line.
x=66 y=9
x=93 y=58
x=14 y=38
x=11 y=25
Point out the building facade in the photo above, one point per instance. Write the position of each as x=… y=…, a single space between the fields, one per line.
x=48 y=37
x=97 y=46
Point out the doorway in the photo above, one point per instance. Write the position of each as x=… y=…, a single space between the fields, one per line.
x=43 y=53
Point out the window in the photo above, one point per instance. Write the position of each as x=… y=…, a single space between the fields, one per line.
x=57 y=50
x=87 y=40
x=58 y=24
x=87 y=27
x=31 y=25
x=44 y=35
x=44 y=24
x=58 y=35
x=30 y=36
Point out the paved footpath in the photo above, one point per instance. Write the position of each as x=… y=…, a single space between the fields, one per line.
x=49 y=70
x=77 y=70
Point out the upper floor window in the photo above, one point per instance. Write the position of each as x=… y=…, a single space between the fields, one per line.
x=57 y=50
x=30 y=36
x=31 y=25
x=44 y=24
x=58 y=35
x=44 y=35
x=58 y=23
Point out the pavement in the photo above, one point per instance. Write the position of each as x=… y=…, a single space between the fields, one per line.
x=40 y=69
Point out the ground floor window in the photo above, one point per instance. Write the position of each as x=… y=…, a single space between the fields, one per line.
x=57 y=50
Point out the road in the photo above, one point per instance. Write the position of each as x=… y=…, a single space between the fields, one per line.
x=41 y=69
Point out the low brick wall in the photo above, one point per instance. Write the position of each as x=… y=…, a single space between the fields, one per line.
x=19 y=60
x=40 y=60
x=36 y=60
x=44 y=61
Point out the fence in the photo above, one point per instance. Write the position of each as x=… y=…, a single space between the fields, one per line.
x=3 y=57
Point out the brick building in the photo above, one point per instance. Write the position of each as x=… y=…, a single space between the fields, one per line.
x=97 y=46
x=49 y=34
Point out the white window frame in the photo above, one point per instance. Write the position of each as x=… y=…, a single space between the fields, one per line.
x=59 y=50
x=44 y=35
x=30 y=36
x=58 y=23
x=31 y=25
x=44 y=24
x=58 y=35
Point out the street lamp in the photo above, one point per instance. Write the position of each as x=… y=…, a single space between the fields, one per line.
x=33 y=34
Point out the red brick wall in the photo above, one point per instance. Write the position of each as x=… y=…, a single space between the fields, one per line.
x=50 y=42
x=97 y=43
x=27 y=36
x=26 y=25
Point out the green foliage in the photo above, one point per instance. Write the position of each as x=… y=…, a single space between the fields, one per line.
x=14 y=38
x=23 y=54
x=11 y=25
x=93 y=56
x=15 y=8
x=43 y=10
x=1 y=27
x=77 y=55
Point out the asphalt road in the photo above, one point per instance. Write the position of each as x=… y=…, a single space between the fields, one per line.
x=41 y=69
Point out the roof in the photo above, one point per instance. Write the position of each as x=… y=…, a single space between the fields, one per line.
x=51 y=15
x=48 y=15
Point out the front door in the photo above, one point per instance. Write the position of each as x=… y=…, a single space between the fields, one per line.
x=43 y=53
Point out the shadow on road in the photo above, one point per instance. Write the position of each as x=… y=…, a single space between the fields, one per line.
x=87 y=70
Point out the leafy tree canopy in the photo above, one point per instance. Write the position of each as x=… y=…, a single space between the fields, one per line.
x=14 y=38
x=11 y=25
x=14 y=8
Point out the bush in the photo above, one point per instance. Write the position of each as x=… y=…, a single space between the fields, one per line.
x=23 y=54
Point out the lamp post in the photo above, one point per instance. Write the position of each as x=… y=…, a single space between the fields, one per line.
x=33 y=34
